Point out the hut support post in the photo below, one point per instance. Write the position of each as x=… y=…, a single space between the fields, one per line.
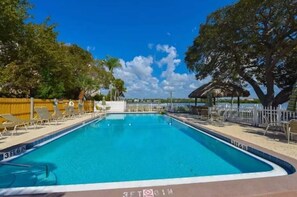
x=195 y=102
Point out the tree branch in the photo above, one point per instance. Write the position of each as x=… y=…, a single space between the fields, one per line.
x=283 y=96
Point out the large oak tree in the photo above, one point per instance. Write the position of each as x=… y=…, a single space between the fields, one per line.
x=253 y=42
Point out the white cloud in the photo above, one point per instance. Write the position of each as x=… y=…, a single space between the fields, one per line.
x=142 y=83
x=91 y=48
x=138 y=78
x=194 y=29
x=192 y=86
x=150 y=45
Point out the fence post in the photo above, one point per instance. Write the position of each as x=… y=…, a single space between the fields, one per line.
x=255 y=116
x=279 y=115
x=31 y=108
x=94 y=106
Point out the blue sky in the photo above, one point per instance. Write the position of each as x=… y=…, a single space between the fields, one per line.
x=149 y=36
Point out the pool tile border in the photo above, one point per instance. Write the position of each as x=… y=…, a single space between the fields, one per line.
x=270 y=186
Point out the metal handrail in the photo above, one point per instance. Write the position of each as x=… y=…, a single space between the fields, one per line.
x=27 y=166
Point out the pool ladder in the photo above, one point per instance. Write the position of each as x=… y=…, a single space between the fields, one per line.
x=37 y=171
x=46 y=168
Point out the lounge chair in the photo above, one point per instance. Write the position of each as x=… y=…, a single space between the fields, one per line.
x=76 y=112
x=203 y=114
x=12 y=121
x=58 y=114
x=72 y=112
x=216 y=115
x=140 y=108
x=19 y=122
x=270 y=124
x=292 y=129
x=4 y=127
x=67 y=113
x=81 y=110
x=44 y=115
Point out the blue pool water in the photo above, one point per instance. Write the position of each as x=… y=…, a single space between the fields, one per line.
x=126 y=147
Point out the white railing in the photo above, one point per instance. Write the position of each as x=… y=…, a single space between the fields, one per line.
x=113 y=106
x=256 y=116
x=144 y=107
x=275 y=115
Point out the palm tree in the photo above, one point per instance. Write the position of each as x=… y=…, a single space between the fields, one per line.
x=111 y=63
x=119 y=88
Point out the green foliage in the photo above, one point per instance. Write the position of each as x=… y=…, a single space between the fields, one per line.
x=34 y=64
x=111 y=63
x=13 y=13
x=98 y=97
x=255 y=47
x=119 y=88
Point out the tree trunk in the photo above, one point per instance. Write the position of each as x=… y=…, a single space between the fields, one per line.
x=282 y=97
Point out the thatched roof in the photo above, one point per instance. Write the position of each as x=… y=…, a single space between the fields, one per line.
x=219 y=90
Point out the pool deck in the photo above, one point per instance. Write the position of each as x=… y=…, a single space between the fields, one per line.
x=22 y=135
x=272 y=144
x=275 y=141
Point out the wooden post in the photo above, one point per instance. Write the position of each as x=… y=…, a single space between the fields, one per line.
x=195 y=102
x=31 y=108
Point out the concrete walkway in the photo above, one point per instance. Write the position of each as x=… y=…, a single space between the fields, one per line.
x=274 y=141
x=32 y=133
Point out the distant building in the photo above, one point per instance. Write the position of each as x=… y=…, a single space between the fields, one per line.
x=248 y=99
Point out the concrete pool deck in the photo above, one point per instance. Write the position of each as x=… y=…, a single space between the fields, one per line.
x=22 y=135
x=274 y=141
x=271 y=186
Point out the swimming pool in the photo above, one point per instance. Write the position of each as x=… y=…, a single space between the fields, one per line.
x=131 y=149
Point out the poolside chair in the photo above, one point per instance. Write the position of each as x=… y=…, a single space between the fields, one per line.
x=68 y=112
x=81 y=109
x=58 y=114
x=19 y=122
x=140 y=108
x=12 y=121
x=4 y=127
x=132 y=108
x=44 y=115
x=203 y=114
x=105 y=106
x=270 y=124
x=215 y=115
x=73 y=112
x=292 y=129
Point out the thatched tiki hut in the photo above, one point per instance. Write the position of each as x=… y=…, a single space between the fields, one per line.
x=216 y=89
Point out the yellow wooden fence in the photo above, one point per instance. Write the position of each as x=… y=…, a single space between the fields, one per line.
x=20 y=107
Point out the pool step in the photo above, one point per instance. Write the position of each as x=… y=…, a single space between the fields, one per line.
x=42 y=180
x=6 y=180
x=23 y=179
x=27 y=179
